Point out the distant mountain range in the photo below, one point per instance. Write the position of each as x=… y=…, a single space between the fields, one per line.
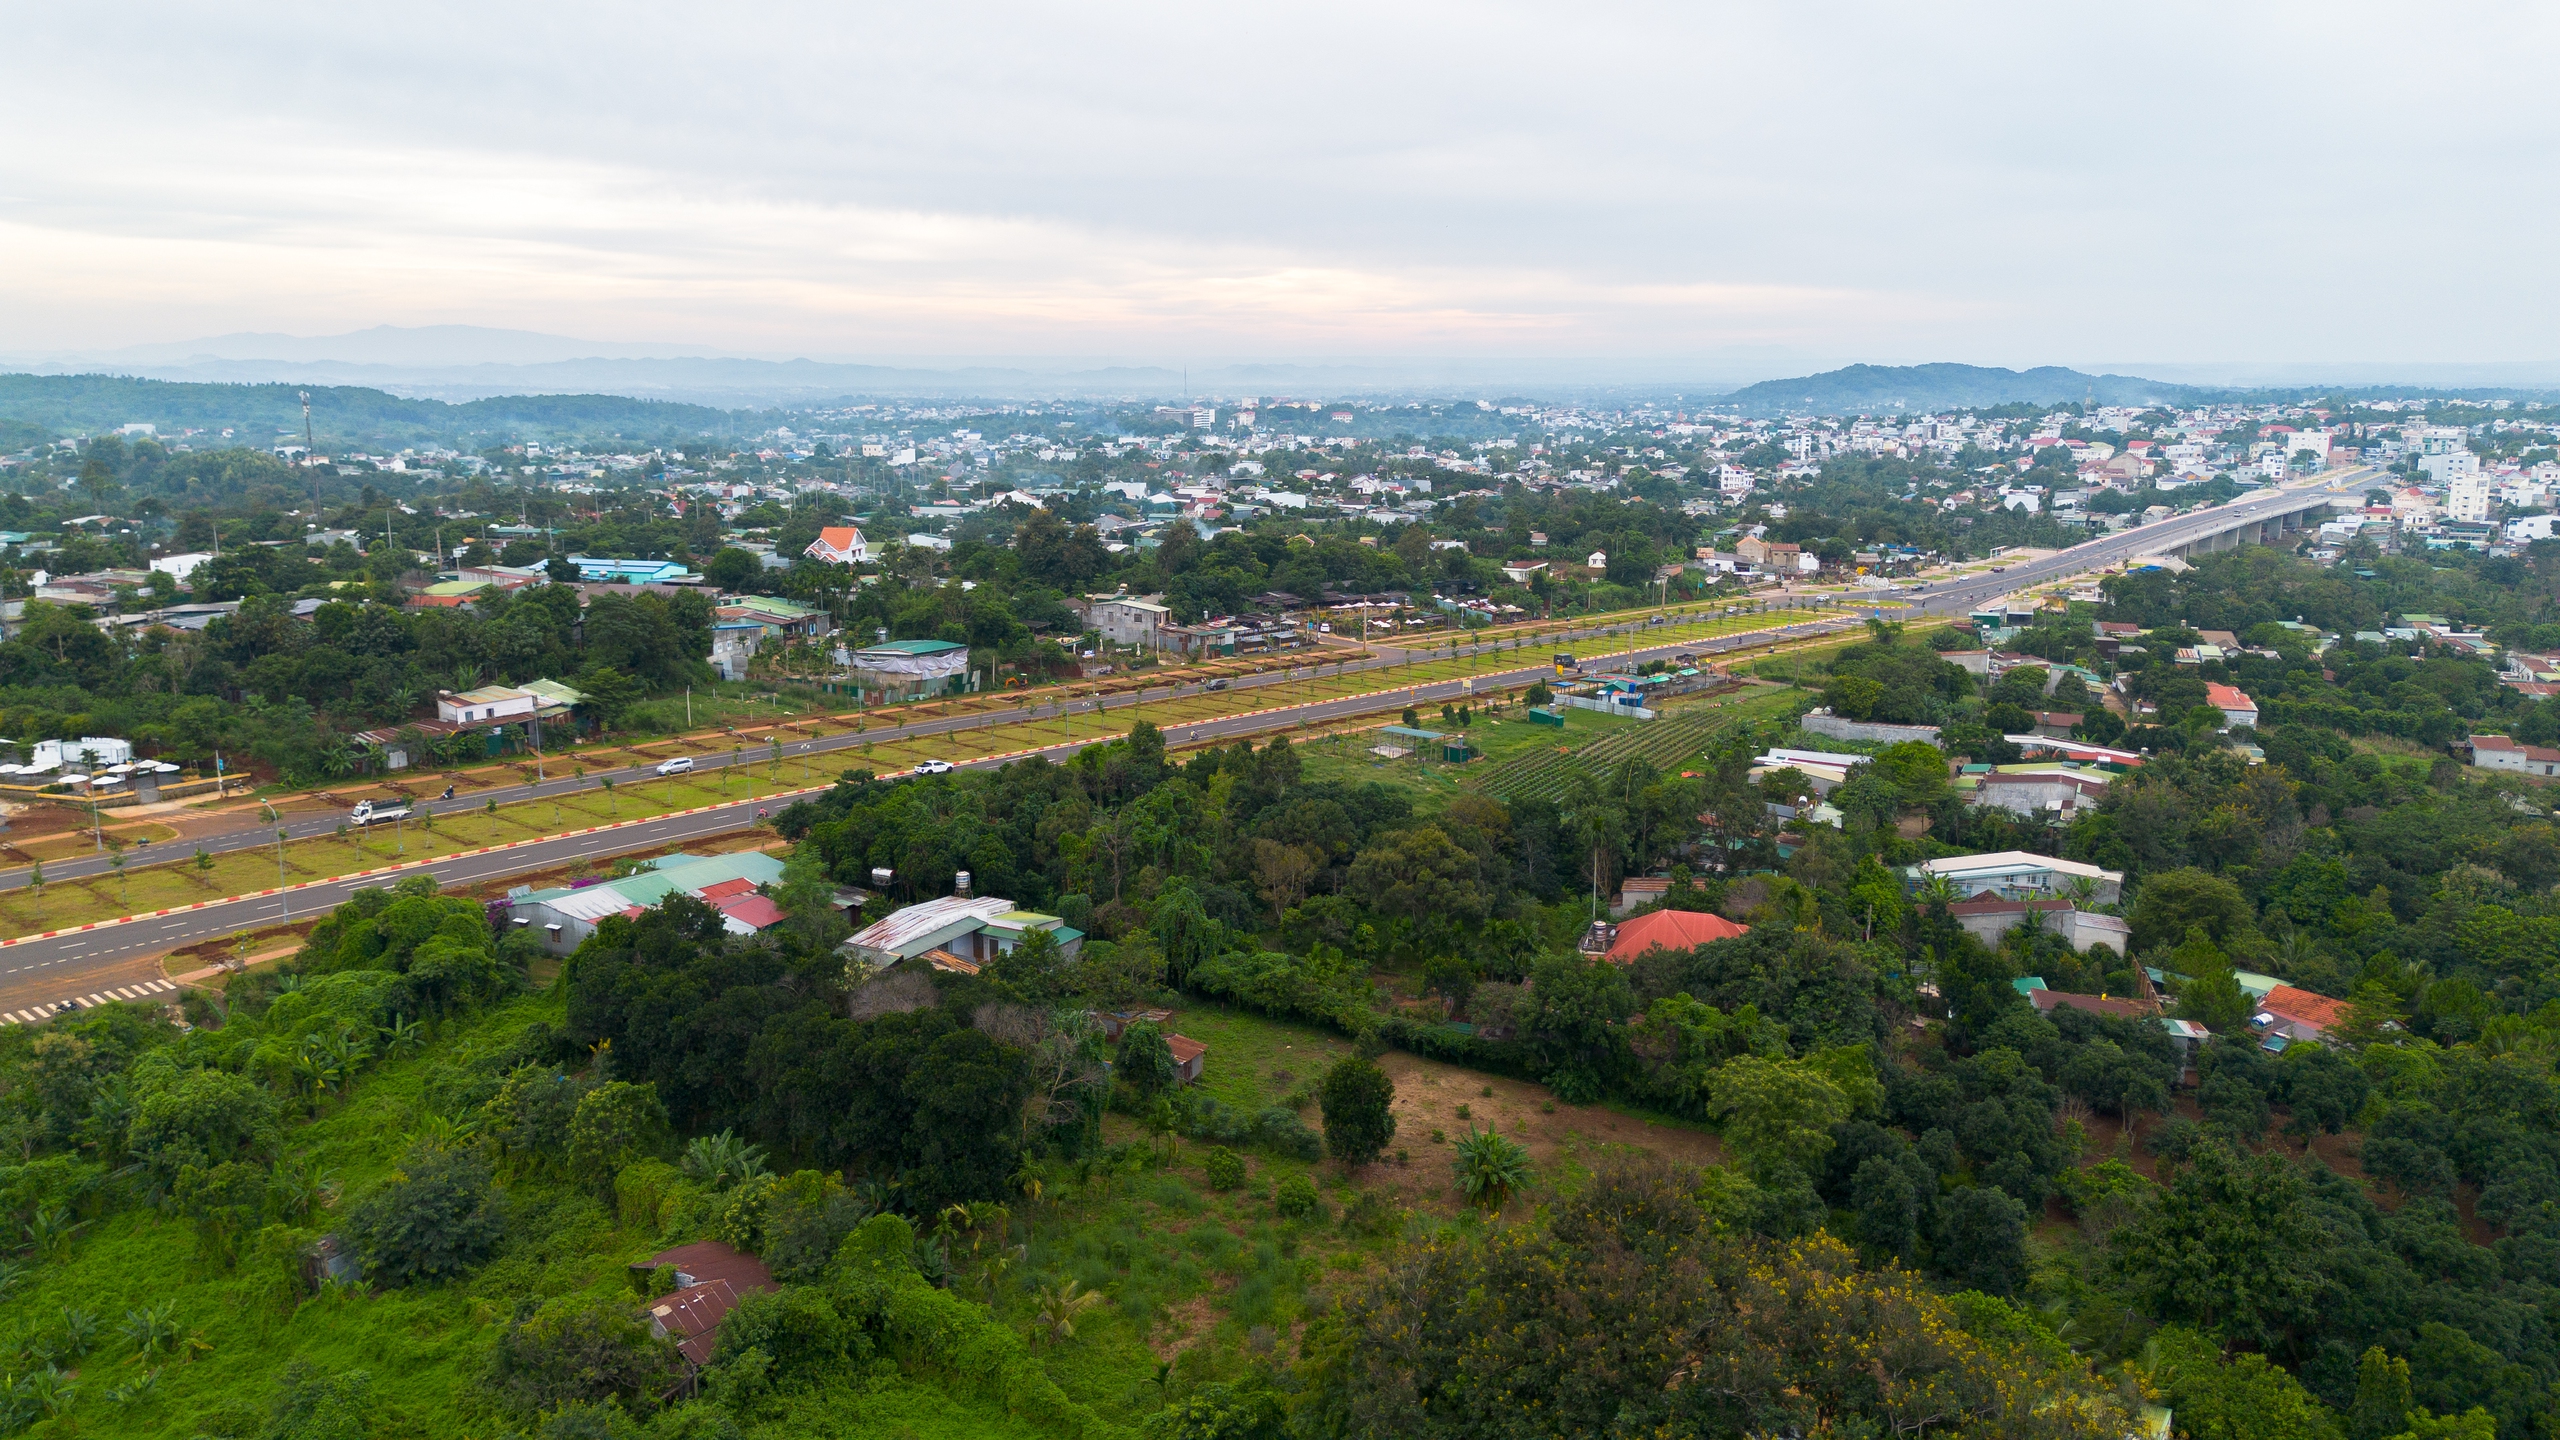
x=1918 y=389
x=454 y=381
x=468 y=362
x=261 y=415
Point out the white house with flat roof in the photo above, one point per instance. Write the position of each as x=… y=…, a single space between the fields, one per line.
x=2020 y=875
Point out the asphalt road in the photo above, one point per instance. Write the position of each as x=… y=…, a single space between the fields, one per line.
x=1960 y=595
x=262 y=831
x=38 y=975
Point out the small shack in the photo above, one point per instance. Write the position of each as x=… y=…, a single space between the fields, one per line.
x=710 y=1279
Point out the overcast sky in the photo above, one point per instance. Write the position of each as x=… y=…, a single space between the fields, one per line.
x=2017 y=185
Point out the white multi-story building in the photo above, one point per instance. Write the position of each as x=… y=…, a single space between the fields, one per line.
x=2467 y=497
x=2450 y=465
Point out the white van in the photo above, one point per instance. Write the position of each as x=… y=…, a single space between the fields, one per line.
x=677 y=766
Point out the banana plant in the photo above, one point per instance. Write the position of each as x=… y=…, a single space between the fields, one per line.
x=153 y=1330
x=402 y=1035
x=51 y=1230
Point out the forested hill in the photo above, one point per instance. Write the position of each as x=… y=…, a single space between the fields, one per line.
x=1921 y=389
x=340 y=415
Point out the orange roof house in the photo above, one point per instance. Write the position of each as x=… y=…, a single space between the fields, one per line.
x=1671 y=930
x=839 y=545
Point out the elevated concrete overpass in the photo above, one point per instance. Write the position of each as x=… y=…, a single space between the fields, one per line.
x=2269 y=517
x=2271 y=522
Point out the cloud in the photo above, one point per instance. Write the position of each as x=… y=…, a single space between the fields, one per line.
x=2003 y=183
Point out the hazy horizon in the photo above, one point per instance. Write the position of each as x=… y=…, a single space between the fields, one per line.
x=2006 y=186
x=462 y=362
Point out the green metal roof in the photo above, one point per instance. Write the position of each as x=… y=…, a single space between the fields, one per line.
x=913 y=647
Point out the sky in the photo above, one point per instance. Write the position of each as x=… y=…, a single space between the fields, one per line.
x=2000 y=184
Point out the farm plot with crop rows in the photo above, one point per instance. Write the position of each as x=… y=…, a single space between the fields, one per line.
x=1547 y=773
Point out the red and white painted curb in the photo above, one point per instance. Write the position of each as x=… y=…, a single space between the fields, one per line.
x=36 y=1014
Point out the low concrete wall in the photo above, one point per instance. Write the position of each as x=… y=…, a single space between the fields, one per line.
x=177 y=790
x=1822 y=722
x=1584 y=702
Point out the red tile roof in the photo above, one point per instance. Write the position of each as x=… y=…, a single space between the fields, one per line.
x=2302 y=1007
x=1671 y=930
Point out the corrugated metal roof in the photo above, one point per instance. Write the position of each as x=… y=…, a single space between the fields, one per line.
x=918 y=928
x=911 y=647
x=753 y=911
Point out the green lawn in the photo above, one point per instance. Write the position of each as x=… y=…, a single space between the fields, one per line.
x=1513 y=745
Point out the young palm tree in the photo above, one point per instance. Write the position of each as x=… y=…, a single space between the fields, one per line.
x=1057 y=1306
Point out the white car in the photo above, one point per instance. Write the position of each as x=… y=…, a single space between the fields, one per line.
x=933 y=767
x=677 y=766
